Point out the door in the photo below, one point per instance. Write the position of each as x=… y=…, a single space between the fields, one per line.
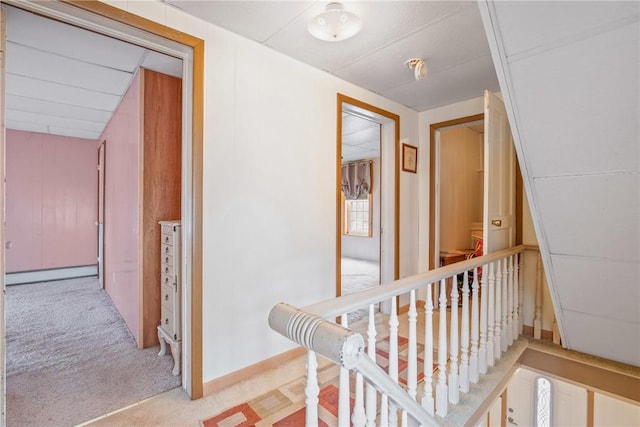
x=101 y=181
x=499 y=177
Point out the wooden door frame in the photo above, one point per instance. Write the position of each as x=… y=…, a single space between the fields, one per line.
x=344 y=99
x=435 y=127
x=117 y=17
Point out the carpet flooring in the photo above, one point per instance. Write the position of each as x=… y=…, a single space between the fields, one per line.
x=71 y=358
x=359 y=275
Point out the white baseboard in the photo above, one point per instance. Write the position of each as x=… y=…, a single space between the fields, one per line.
x=50 y=274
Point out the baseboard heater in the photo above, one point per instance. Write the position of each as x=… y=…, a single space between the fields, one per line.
x=50 y=274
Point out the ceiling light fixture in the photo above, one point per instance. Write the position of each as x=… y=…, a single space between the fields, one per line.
x=419 y=68
x=335 y=24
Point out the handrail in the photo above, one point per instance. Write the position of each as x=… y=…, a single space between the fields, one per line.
x=345 y=348
x=347 y=303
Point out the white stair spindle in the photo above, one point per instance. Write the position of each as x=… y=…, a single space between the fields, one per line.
x=510 y=305
x=441 y=387
x=497 y=331
x=537 y=320
x=520 y=292
x=454 y=390
x=484 y=320
x=475 y=329
x=504 y=340
x=393 y=357
x=312 y=390
x=371 y=396
x=516 y=299
x=344 y=395
x=359 y=416
x=412 y=366
x=427 y=396
x=464 y=336
x=384 y=410
x=491 y=322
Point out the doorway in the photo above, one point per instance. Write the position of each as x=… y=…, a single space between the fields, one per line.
x=367 y=229
x=456 y=189
x=104 y=19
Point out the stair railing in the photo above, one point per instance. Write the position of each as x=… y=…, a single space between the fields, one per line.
x=490 y=294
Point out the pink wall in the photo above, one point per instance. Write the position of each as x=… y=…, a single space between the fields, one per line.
x=122 y=136
x=51 y=201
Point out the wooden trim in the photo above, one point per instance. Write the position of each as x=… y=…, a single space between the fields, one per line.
x=432 y=177
x=121 y=16
x=396 y=118
x=503 y=408
x=249 y=372
x=519 y=198
x=589 y=375
x=545 y=334
x=590 y=407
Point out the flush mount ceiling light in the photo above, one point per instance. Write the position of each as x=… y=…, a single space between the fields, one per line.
x=335 y=24
x=419 y=68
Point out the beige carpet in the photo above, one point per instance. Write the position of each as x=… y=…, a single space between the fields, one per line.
x=71 y=358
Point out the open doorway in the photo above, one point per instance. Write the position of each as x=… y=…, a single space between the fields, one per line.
x=109 y=20
x=367 y=232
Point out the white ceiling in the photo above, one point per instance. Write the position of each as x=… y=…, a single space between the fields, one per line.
x=64 y=80
x=360 y=138
x=448 y=34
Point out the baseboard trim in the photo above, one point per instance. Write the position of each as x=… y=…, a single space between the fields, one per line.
x=228 y=380
x=47 y=275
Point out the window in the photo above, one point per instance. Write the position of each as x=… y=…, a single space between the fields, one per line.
x=357 y=217
x=543 y=402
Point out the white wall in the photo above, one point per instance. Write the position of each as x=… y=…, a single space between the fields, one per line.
x=367 y=247
x=269 y=188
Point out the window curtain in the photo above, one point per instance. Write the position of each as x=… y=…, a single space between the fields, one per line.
x=356 y=180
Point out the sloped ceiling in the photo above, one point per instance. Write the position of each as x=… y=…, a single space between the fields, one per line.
x=571 y=81
x=64 y=80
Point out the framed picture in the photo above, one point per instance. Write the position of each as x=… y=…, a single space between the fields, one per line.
x=409 y=158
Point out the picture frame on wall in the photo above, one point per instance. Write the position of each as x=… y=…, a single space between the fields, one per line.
x=409 y=158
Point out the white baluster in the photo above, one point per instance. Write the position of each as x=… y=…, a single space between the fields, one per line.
x=537 y=320
x=359 y=416
x=497 y=331
x=484 y=302
x=344 y=396
x=393 y=357
x=475 y=329
x=504 y=341
x=464 y=336
x=454 y=390
x=384 y=410
x=371 y=396
x=511 y=305
x=412 y=366
x=516 y=296
x=427 y=396
x=491 y=323
x=441 y=387
x=519 y=266
x=312 y=390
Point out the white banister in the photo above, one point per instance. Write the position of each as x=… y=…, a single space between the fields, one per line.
x=454 y=391
x=537 y=319
x=359 y=416
x=393 y=357
x=464 y=336
x=371 y=395
x=427 y=396
x=515 y=327
x=520 y=292
x=412 y=366
x=510 y=304
x=441 y=387
x=311 y=391
x=484 y=321
x=504 y=331
x=497 y=330
x=344 y=395
x=491 y=322
x=474 y=373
